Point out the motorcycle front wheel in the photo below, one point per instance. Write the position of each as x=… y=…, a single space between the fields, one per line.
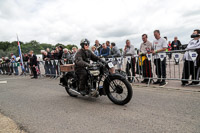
x=118 y=90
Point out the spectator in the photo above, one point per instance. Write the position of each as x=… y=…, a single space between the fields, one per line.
x=176 y=44
x=52 y=65
x=60 y=48
x=115 y=52
x=198 y=62
x=105 y=51
x=169 y=46
x=7 y=65
x=33 y=64
x=56 y=53
x=95 y=51
x=169 y=49
x=108 y=44
x=145 y=48
x=48 y=52
x=189 y=66
x=14 y=64
x=70 y=52
x=26 y=64
x=74 y=51
x=98 y=45
x=11 y=64
x=159 y=45
x=66 y=56
x=46 y=58
x=129 y=50
x=3 y=65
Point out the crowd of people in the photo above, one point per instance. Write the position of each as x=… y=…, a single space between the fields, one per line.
x=55 y=57
x=51 y=60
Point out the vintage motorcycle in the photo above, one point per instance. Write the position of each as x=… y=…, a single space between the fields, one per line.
x=100 y=82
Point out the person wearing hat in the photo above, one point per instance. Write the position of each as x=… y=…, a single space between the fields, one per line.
x=82 y=60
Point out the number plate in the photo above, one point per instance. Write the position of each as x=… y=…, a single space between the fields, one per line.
x=110 y=64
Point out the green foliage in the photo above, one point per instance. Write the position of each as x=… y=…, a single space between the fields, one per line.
x=6 y=48
x=59 y=44
x=4 y=53
x=45 y=46
x=70 y=46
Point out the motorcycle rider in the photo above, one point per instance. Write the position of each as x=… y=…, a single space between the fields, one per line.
x=82 y=60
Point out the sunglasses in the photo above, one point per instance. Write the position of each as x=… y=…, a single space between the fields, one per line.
x=86 y=44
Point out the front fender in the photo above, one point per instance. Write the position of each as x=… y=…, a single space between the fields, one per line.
x=110 y=77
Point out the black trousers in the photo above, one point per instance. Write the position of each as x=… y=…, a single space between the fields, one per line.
x=147 y=72
x=160 y=68
x=83 y=77
x=131 y=66
x=11 y=69
x=189 y=69
x=34 y=71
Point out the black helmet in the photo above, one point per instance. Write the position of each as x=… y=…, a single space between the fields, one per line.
x=84 y=41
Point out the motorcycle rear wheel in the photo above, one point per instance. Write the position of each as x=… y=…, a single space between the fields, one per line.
x=67 y=88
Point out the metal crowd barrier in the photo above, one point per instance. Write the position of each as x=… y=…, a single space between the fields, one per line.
x=174 y=66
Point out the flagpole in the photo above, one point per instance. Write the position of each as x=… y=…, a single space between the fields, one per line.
x=20 y=54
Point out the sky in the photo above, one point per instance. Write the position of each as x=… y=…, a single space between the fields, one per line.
x=68 y=21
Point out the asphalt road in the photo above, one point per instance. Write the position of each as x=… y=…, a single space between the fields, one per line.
x=42 y=106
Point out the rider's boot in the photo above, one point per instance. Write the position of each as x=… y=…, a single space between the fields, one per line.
x=82 y=90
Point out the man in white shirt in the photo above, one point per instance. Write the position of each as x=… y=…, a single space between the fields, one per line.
x=129 y=50
x=159 y=45
x=190 y=67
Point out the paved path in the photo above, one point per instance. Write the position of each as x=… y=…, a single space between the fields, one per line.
x=42 y=106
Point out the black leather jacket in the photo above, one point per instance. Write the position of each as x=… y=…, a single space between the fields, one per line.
x=83 y=57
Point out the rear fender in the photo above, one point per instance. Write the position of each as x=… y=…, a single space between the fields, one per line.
x=63 y=79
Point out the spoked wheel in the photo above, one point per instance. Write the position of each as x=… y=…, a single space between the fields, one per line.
x=119 y=91
x=70 y=85
x=121 y=73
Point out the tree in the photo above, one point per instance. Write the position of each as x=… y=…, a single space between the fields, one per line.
x=59 y=44
x=32 y=45
x=6 y=48
x=45 y=46
x=70 y=46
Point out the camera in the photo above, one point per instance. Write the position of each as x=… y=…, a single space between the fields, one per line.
x=195 y=35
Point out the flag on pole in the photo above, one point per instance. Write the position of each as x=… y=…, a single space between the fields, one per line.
x=20 y=54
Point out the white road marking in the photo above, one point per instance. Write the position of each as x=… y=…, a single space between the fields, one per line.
x=3 y=82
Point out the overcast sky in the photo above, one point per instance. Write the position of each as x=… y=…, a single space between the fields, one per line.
x=68 y=21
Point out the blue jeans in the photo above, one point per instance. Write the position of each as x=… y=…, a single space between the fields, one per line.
x=16 y=70
x=47 y=69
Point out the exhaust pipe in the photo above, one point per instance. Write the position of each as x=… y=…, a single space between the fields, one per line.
x=74 y=91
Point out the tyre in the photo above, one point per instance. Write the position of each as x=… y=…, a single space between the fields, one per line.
x=70 y=84
x=118 y=90
x=122 y=73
